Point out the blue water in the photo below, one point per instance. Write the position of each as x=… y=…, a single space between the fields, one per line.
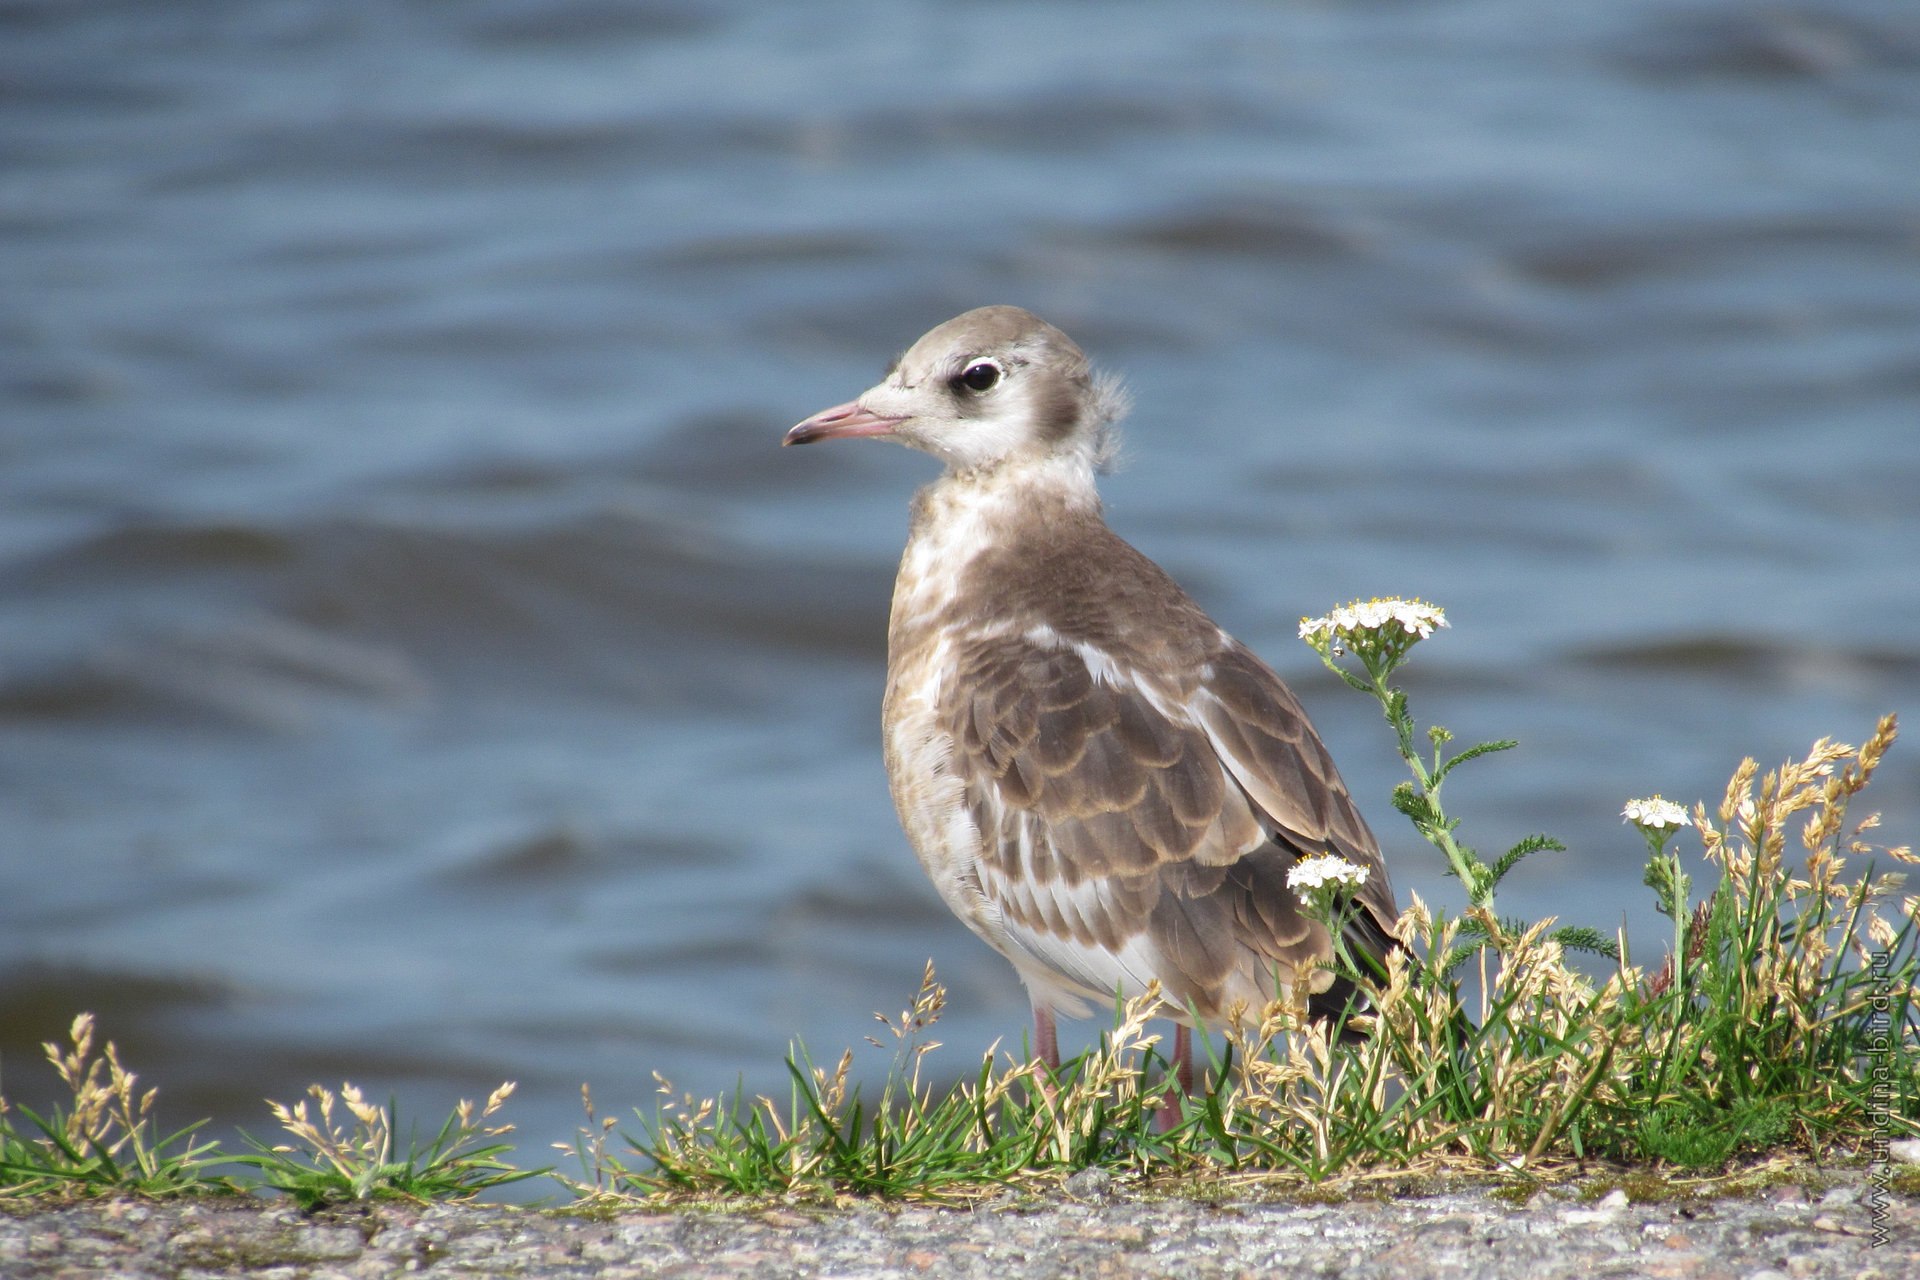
x=418 y=665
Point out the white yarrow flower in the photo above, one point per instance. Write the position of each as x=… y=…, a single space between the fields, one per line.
x=1416 y=618
x=1328 y=874
x=1655 y=814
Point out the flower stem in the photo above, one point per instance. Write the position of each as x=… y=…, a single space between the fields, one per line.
x=1431 y=818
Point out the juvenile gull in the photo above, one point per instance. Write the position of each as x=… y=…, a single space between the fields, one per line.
x=1102 y=784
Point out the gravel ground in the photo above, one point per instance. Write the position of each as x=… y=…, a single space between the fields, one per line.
x=1787 y=1231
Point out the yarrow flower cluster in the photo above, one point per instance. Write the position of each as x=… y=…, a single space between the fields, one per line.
x=1655 y=814
x=1656 y=819
x=1378 y=631
x=1350 y=621
x=1319 y=880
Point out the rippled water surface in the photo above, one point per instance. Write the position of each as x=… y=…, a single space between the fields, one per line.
x=419 y=666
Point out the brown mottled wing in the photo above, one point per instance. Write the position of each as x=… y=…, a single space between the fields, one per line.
x=1270 y=748
x=1135 y=830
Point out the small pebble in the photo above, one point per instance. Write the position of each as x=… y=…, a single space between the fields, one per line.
x=1090 y=1184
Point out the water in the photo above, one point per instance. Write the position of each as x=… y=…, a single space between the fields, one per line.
x=419 y=666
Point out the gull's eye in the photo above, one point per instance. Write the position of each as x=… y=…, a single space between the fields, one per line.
x=978 y=377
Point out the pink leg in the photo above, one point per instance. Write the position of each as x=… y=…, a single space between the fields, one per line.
x=1046 y=1038
x=1169 y=1113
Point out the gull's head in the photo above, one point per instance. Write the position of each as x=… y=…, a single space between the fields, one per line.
x=993 y=386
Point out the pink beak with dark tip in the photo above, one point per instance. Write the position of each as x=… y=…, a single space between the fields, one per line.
x=843 y=420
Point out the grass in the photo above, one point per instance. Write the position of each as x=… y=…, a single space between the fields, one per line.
x=1010 y=1119
x=105 y=1141
x=1784 y=1020
x=335 y=1161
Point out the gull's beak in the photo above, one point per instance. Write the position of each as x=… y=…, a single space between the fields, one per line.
x=849 y=419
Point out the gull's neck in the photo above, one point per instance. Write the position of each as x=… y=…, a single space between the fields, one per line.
x=966 y=513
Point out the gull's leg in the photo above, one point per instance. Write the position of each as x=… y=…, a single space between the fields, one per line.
x=1169 y=1113
x=1046 y=1037
x=1046 y=1047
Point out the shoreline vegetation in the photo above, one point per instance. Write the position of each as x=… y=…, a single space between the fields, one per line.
x=1779 y=1031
